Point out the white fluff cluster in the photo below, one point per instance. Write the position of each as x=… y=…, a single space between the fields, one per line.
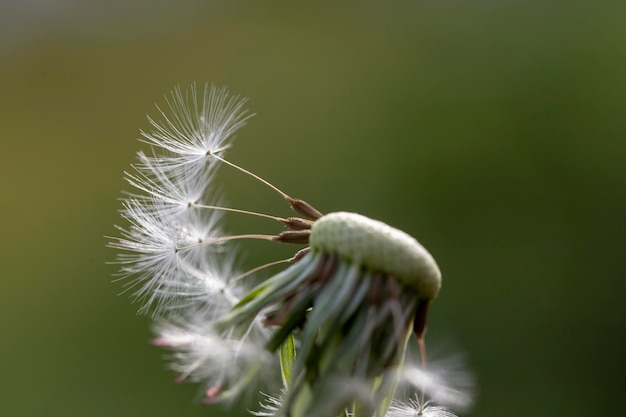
x=171 y=247
x=172 y=253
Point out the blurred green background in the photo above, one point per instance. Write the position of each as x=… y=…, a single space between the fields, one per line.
x=493 y=131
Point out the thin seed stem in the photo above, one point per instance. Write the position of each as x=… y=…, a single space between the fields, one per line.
x=226 y=239
x=258 y=268
x=234 y=210
x=422 y=345
x=245 y=171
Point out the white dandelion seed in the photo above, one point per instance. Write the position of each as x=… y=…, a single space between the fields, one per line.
x=447 y=383
x=414 y=408
x=193 y=129
x=170 y=197
x=225 y=366
x=270 y=406
x=151 y=252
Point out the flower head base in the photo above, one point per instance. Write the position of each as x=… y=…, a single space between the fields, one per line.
x=352 y=301
x=380 y=248
x=339 y=317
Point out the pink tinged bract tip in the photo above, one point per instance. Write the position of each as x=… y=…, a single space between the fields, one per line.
x=161 y=341
x=211 y=393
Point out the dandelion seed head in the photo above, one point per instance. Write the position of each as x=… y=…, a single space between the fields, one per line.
x=352 y=322
x=380 y=247
x=345 y=307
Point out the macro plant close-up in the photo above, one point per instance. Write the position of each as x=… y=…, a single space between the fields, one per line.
x=336 y=209
x=337 y=329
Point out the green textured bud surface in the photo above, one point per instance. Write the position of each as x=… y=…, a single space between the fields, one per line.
x=380 y=247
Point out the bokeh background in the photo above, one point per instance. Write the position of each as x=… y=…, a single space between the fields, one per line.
x=493 y=131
